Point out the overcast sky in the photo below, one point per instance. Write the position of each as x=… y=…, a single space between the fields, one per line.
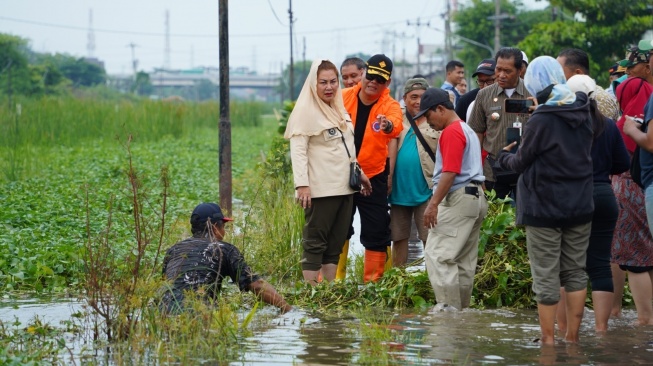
x=258 y=29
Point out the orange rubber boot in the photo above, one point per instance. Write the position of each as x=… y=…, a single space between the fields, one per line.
x=374 y=265
x=341 y=272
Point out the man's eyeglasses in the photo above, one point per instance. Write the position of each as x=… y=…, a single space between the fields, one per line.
x=379 y=79
x=484 y=82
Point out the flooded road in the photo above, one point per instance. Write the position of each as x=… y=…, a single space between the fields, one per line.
x=410 y=337
x=469 y=337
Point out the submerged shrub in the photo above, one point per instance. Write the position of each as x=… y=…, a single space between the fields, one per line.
x=503 y=275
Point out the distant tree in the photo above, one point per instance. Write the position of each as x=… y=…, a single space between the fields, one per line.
x=143 y=84
x=604 y=30
x=206 y=90
x=15 y=75
x=47 y=79
x=80 y=71
x=300 y=70
x=473 y=22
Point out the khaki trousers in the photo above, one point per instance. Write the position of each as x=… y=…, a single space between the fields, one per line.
x=452 y=247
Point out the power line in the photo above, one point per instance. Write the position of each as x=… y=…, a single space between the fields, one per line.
x=189 y=35
x=275 y=14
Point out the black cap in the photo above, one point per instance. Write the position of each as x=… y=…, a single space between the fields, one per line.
x=380 y=65
x=205 y=211
x=432 y=97
x=486 y=67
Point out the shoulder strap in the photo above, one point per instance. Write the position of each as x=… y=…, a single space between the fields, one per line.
x=418 y=133
x=342 y=136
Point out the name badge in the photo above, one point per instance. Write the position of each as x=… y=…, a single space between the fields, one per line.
x=497 y=108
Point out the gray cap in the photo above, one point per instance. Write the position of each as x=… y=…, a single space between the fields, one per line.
x=415 y=84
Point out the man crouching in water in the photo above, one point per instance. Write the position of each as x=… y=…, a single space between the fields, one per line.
x=201 y=262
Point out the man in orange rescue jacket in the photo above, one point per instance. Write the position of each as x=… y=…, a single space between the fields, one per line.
x=377 y=119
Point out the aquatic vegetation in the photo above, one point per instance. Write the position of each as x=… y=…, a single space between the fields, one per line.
x=42 y=221
x=503 y=276
x=35 y=343
x=397 y=288
x=93 y=215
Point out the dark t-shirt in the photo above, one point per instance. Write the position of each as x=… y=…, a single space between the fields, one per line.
x=199 y=264
x=362 y=115
x=463 y=103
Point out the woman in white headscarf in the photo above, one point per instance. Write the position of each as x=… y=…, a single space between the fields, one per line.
x=554 y=193
x=321 y=148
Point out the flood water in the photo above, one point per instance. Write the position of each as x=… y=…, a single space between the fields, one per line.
x=469 y=337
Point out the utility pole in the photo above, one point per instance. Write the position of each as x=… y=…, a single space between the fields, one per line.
x=166 y=56
x=497 y=26
x=134 y=60
x=292 y=74
x=447 y=33
x=225 y=123
x=134 y=65
x=90 y=45
x=304 y=58
x=417 y=25
x=498 y=17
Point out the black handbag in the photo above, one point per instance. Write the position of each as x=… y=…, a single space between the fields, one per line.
x=355 y=176
x=354 y=169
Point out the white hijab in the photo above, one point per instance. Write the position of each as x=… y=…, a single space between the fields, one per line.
x=311 y=115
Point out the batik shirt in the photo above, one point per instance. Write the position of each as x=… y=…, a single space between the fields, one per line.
x=200 y=265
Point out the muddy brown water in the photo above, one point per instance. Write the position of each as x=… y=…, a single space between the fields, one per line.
x=422 y=337
x=469 y=337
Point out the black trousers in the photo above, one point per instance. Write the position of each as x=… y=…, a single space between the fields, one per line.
x=604 y=220
x=375 y=219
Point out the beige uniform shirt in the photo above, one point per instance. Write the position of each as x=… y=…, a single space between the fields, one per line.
x=321 y=162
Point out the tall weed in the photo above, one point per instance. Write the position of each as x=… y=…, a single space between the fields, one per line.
x=56 y=121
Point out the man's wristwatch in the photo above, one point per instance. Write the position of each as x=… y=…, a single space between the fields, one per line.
x=389 y=127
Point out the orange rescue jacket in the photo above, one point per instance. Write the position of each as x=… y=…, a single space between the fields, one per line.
x=374 y=149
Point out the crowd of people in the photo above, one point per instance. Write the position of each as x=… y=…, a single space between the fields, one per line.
x=561 y=157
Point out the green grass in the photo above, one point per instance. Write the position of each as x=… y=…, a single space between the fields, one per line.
x=43 y=216
x=31 y=127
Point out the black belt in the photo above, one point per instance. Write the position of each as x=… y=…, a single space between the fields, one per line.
x=477 y=182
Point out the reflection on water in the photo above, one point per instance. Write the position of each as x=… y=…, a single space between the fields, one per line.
x=417 y=337
x=49 y=310
x=467 y=337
